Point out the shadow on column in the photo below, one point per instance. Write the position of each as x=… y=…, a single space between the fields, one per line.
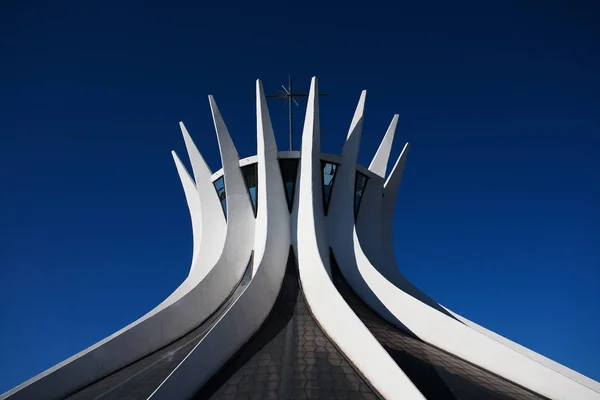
x=289 y=357
x=436 y=373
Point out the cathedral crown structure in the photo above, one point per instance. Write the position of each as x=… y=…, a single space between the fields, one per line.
x=294 y=292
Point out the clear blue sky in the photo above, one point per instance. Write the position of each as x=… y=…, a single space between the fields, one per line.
x=498 y=216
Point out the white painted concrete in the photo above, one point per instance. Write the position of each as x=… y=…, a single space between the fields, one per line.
x=380 y=161
x=172 y=318
x=576 y=376
x=328 y=307
x=249 y=311
x=374 y=229
x=193 y=202
x=364 y=251
x=436 y=325
x=211 y=245
x=340 y=217
x=457 y=338
x=389 y=268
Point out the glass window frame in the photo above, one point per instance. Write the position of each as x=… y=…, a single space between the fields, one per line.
x=327 y=200
x=244 y=169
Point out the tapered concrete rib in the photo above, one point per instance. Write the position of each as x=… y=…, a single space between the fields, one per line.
x=423 y=317
x=239 y=208
x=232 y=262
x=140 y=379
x=201 y=329
x=457 y=338
x=248 y=312
x=369 y=219
x=380 y=251
x=350 y=149
x=390 y=193
x=193 y=202
x=211 y=246
x=576 y=376
x=171 y=319
x=380 y=160
x=221 y=252
x=340 y=219
x=268 y=172
x=392 y=183
x=436 y=373
x=385 y=261
x=388 y=268
x=328 y=307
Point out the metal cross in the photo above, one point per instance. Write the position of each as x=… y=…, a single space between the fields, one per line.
x=288 y=95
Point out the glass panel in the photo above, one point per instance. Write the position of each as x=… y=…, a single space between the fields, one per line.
x=359 y=187
x=220 y=187
x=289 y=170
x=250 y=173
x=329 y=170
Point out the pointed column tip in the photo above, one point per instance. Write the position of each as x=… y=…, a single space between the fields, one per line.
x=381 y=159
x=314 y=89
x=213 y=103
x=362 y=100
x=183 y=129
x=214 y=109
x=260 y=94
x=259 y=89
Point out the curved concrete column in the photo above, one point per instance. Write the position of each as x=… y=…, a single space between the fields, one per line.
x=224 y=301
x=576 y=376
x=193 y=202
x=375 y=226
x=423 y=317
x=390 y=192
x=456 y=338
x=389 y=268
x=220 y=281
x=380 y=161
x=328 y=307
x=211 y=245
x=382 y=257
x=340 y=219
x=369 y=219
x=172 y=318
x=271 y=247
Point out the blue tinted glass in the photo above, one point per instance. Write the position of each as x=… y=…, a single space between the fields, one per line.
x=329 y=170
x=220 y=187
x=327 y=191
x=250 y=173
x=253 y=195
x=289 y=191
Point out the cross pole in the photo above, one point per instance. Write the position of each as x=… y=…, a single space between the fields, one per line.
x=288 y=95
